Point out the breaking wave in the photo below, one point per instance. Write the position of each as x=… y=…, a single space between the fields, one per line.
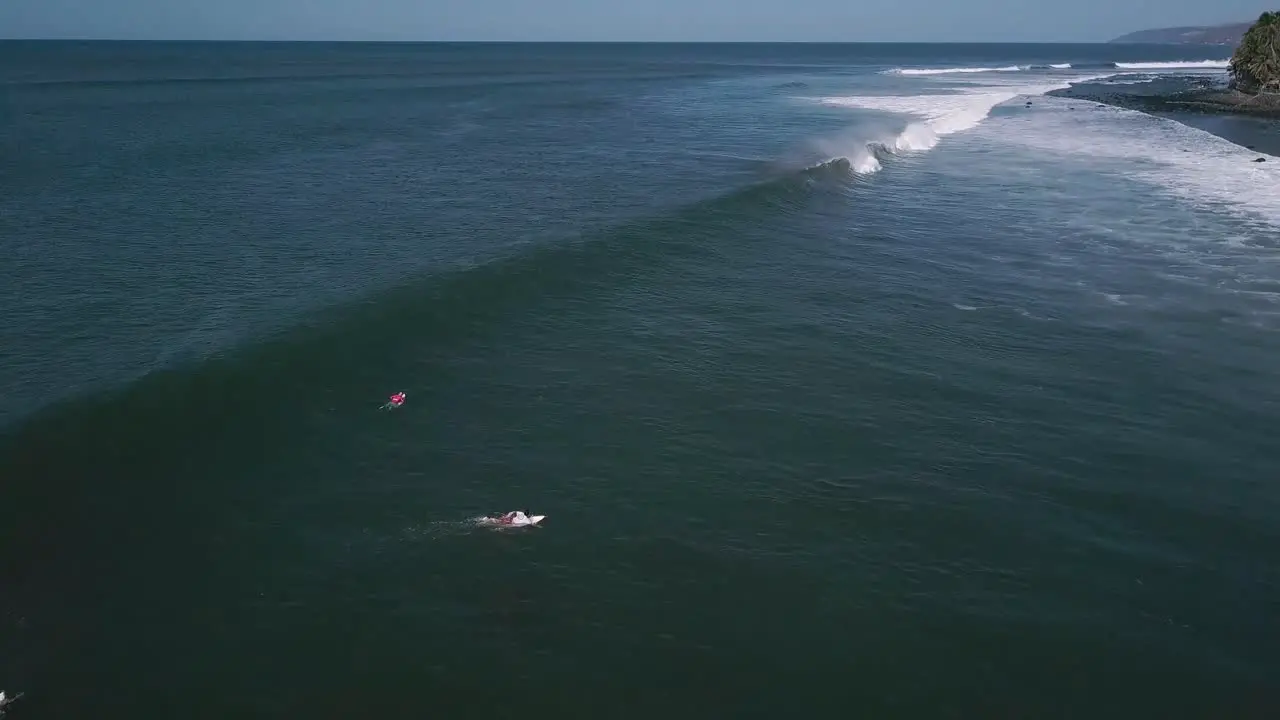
x=933 y=117
x=948 y=71
x=930 y=118
x=1177 y=65
x=1167 y=65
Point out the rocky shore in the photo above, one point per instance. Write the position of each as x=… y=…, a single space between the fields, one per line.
x=1199 y=99
x=1228 y=101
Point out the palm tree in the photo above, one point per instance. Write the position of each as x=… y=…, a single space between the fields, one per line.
x=1255 y=65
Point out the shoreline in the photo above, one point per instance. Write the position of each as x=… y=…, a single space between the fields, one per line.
x=1201 y=96
x=1226 y=101
x=1250 y=121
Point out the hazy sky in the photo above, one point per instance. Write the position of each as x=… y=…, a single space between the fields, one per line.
x=781 y=20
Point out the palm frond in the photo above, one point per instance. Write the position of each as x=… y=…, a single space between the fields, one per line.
x=1255 y=64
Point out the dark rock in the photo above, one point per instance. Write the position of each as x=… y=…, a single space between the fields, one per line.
x=1228 y=102
x=1260 y=160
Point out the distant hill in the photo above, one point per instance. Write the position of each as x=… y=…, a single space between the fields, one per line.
x=1212 y=35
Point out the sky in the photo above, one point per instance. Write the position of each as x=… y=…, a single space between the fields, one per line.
x=612 y=20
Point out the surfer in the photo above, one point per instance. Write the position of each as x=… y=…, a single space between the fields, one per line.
x=394 y=401
x=511 y=518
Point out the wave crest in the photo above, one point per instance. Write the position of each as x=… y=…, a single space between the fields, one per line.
x=1163 y=65
x=1176 y=65
x=934 y=116
x=947 y=71
x=931 y=117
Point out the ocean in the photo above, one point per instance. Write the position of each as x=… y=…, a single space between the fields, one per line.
x=870 y=380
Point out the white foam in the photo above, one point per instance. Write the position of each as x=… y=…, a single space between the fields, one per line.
x=948 y=71
x=1177 y=65
x=938 y=114
x=933 y=116
x=1182 y=161
x=1120 y=66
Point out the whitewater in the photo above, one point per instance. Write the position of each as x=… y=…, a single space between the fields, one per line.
x=1171 y=65
x=931 y=104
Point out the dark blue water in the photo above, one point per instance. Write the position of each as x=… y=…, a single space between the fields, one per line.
x=851 y=379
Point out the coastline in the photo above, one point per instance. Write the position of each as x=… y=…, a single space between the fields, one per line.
x=1229 y=101
x=1251 y=121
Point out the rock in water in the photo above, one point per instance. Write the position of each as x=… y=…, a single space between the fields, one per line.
x=1260 y=160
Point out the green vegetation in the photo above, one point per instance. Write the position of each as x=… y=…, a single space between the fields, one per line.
x=1255 y=65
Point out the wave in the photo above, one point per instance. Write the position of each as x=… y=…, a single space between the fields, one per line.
x=974 y=70
x=1175 y=65
x=449 y=305
x=934 y=117
x=178 y=438
x=947 y=71
x=940 y=115
x=1166 y=65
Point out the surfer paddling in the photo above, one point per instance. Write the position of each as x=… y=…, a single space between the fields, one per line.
x=394 y=401
x=512 y=518
x=515 y=518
